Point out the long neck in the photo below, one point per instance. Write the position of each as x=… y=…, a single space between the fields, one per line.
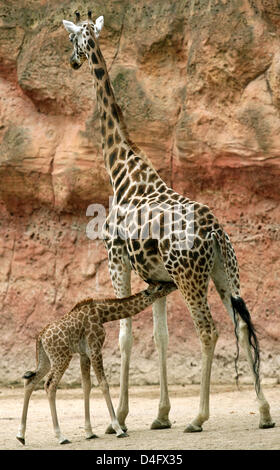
x=124 y=162
x=112 y=125
x=117 y=309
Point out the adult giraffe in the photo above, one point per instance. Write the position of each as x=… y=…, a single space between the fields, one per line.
x=162 y=236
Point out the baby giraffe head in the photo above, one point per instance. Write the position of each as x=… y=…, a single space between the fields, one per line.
x=83 y=36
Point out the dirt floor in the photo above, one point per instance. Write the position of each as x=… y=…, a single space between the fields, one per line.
x=233 y=423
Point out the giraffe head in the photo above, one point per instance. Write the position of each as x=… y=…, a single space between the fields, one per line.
x=160 y=287
x=82 y=34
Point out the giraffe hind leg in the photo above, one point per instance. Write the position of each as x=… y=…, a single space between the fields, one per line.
x=244 y=330
x=208 y=336
x=31 y=379
x=192 y=280
x=249 y=342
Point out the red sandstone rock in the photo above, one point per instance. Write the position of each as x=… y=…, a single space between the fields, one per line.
x=198 y=83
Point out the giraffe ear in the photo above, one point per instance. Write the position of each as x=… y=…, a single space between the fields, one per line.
x=71 y=27
x=98 y=25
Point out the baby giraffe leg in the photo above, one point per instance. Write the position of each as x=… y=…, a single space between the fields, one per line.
x=31 y=380
x=28 y=389
x=53 y=379
x=86 y=382
x=97 y=364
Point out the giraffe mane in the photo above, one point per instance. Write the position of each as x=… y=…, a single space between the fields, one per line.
x=82 y=302
x=132 y=145
x=89 y=300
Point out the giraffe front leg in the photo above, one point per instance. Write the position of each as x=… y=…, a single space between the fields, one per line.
x=161 y=341
x=97 y=364
x=125 y=342
x=86 y=383
x=121 y=274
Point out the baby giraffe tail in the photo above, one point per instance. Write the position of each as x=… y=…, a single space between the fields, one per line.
x=29 y=374
x=116 y=309
x=42 y=363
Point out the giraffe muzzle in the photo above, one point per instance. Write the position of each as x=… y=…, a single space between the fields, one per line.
x=75 y=65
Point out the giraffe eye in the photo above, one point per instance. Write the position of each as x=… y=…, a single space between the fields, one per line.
x=71 y=37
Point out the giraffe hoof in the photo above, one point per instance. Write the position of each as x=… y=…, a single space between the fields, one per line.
x=110 y=429
x=193 y=428
x=92 y=436
x=161 y=424
x=65 y=441
x=124 y=434
x=21 y=440
x=266 y=425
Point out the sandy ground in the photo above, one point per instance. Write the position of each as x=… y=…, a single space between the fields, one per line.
x=233 y=423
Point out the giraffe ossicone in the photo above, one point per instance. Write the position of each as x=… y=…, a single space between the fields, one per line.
x=208 y=255
x=72 y=28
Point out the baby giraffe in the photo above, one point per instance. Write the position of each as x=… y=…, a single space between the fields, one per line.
x=82 y=331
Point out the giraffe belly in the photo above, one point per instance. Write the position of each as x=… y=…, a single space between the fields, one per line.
x=156 y=273
x=82 y=347
x=147 y=264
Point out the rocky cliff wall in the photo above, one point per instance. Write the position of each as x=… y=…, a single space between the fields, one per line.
x=198 y=83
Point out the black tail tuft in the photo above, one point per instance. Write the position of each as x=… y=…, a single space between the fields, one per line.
x=239 y=308
x=29 y=374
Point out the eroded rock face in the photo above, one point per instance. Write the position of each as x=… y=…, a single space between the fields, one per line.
x=198 y=83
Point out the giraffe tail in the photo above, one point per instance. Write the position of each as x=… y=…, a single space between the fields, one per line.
x=239 y=309
x=29 y=374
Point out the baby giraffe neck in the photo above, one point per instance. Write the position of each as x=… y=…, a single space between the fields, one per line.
x=130 y=306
